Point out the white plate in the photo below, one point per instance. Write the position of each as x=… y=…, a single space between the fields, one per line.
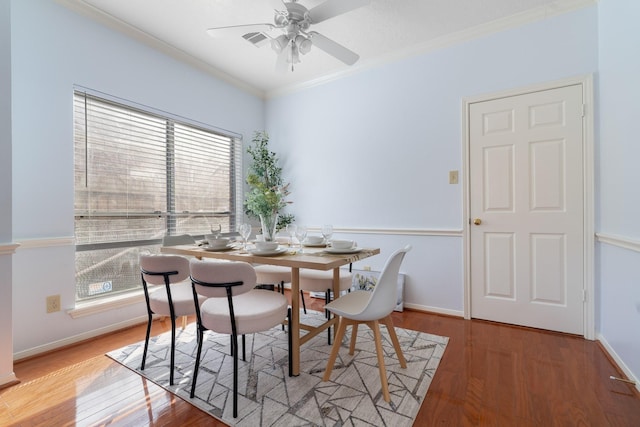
x=343 y=251
x=217 y=249
x=268 y=253
x=314 y=245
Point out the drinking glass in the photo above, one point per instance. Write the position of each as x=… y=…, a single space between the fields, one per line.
x=327 y=232
x=245 y=231
x=301 y=234
x=216 y=230
x=291 y=230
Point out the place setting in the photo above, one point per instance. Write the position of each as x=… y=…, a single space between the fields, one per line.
x=339 y=246
x=262 y=248
x=214 y=242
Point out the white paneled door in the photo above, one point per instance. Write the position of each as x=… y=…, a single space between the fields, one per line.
x=526 y=203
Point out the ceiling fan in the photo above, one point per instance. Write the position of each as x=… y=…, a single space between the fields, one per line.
x=289 y=34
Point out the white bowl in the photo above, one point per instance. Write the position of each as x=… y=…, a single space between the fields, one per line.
x=314 y=240
x=342 y=244
x=220 y=242
x=266 y=246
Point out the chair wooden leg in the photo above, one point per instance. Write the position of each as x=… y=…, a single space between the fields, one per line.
x=388 y=322
x=375 y=327
x=342 y=326
x=354 y=336
x=184 y=322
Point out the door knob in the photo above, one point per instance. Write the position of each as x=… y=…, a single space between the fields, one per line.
x=477 y=221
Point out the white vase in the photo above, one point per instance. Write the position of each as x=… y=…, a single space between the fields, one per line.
x=269 y=224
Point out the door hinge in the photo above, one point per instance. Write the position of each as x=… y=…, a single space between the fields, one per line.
x=584 y=295
x=584 y=107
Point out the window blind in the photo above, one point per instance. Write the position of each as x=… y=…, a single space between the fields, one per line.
x=139 y=176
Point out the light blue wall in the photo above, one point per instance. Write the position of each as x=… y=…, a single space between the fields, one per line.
x=5 y=123
x=53 y=49
x=618 y=153
x=380 y=143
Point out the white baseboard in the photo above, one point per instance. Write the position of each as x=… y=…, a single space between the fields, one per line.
x=77 y=338
x=618 y=360
x=8 y=379
x=435 y=310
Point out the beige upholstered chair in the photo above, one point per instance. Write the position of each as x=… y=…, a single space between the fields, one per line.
x=170 y=295
x=180 y=239
x=371 y=308
x=234 y=307
x=273 y=275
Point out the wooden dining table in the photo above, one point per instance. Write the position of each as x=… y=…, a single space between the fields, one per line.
x=295 y=258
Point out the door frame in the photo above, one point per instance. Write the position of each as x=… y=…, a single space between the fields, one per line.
x=586 y=81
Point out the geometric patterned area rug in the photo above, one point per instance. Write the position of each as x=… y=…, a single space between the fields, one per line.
x=267 y=396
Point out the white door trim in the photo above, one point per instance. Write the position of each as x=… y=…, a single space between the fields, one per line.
x=588 y=162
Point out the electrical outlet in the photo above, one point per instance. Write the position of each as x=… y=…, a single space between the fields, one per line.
x=453 y=177
x=53 y=303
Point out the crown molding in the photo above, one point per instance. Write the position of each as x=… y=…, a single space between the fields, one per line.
x=513 y=21
x=79 y=6
x=543 y=12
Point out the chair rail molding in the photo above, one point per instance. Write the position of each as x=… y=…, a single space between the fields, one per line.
x=47 y=242
x=619 y=241
x=396 y=231
x=8 y=248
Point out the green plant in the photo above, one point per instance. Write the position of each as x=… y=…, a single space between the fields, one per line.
x=267 y=193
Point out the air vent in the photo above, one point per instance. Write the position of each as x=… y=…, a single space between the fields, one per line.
x=256 y=39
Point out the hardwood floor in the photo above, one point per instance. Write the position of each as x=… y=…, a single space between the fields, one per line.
x=491 y=375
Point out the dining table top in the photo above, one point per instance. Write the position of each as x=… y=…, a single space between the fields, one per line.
x=305 y=257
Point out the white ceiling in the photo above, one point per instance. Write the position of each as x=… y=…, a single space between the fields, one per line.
x=379 y=32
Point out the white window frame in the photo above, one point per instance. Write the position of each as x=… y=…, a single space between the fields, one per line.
x=195 y=221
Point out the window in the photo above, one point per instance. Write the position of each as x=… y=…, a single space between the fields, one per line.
x=140 y=175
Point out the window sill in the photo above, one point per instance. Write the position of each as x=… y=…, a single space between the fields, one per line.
x=106 y=304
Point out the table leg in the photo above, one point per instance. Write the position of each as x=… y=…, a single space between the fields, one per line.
x=295 y=320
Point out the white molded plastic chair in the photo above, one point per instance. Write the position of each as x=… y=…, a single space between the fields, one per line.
x=234 y=307
x=172 y=295
x=371 y=308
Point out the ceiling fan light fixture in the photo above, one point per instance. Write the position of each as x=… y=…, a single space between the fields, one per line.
x=280 y=43
x=295 y=57
x=281 y=19
x=304 y=44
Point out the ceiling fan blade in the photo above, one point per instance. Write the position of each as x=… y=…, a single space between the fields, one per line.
x=331 y=8
x=239 y=30
x=334 y=49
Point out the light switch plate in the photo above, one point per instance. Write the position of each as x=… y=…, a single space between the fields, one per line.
x=453 y=177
